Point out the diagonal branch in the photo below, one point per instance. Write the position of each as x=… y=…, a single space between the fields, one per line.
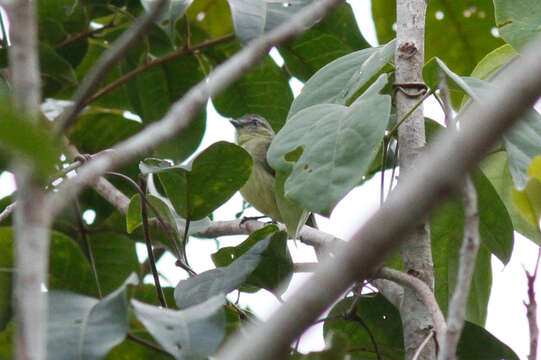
x=436 y=176
x=182 y=112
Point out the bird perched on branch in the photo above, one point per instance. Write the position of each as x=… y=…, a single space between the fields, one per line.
x=255 y=135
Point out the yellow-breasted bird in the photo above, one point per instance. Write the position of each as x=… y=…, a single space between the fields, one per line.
x=255 y=135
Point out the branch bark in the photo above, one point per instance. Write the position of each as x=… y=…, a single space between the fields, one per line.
x=468 y=250
x=416 y=250
x=419 y=192
x=31 y=219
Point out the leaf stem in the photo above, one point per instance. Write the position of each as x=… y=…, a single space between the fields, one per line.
x=407 y=115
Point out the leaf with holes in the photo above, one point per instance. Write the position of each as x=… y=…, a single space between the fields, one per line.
x=326 y=149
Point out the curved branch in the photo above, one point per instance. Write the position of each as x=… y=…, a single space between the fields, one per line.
x=425 y=294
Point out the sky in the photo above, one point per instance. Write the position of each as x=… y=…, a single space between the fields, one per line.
x=506 y=313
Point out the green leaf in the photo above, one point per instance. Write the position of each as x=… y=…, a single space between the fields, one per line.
x=222 y=280
x=384 y=323
x=170 y=14
x=64 y=254
x=431 y=72
x=381 y=318
x=213 y=177
x=337 y=145
x=134 y=219
x=115 y=258
x=194 y=333
x=292 y=214
x=276 y=265
x=251 y=18
x=98 y=129
x=131 y=350
x=263 y=90
x=496 y=169
x=82 y=327
x=27 y=141
x=518 y=21
x=334 y=36
x=459 y=31
x=147 y=294
x=213 y=16
x=55 y=70
x=520 y=142
x=528 y=200
x=354 y=70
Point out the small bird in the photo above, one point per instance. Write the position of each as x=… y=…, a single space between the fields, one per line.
x=255 y=135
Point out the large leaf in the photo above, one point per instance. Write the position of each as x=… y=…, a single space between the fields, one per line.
x=263 y=90
x=345 y=75
x=115 y=258
x=253 y=17
x=85 y=328
x=276 y=266
x=335 y=36
x=194 y=333
x=134 y=219
x=27 y=141
x=459 y=31
x=383 y=322
x=222 y=280
x=518 y=21
x=522 y=142
x=213 y=16
x=333 y=147
x=213 y=177
x=496 y=169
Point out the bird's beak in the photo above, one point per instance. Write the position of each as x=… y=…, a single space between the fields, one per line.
x=235 y=123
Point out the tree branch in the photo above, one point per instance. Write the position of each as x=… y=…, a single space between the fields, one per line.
x=425 y=294
x=7 y=211
x=105 y=62
x=182 y=112
x=416 y=250
x=32 y=234
x=419 y=192
x=531 y=310
x=468 y=250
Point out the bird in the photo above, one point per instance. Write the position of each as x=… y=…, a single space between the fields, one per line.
x=255 y=134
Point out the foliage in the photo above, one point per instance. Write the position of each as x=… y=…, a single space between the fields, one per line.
x=329 y=140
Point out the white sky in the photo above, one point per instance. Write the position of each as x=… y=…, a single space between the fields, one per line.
x=506 y=312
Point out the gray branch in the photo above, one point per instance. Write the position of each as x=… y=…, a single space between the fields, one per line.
x=468 y=250
x=416 y=250
x=419 y=192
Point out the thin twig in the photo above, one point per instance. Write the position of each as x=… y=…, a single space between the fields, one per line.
x=128 y=76
x=104 y=63
x=86 y=34
x=423 y=291
x=148 y=243
x=422 y=346
x=7 y=211
x=407 y=115
x=531 y=310
x=468 y=250
x=84 y=235
x=148 y=344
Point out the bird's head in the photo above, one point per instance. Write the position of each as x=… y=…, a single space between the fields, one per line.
x=250 y=126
